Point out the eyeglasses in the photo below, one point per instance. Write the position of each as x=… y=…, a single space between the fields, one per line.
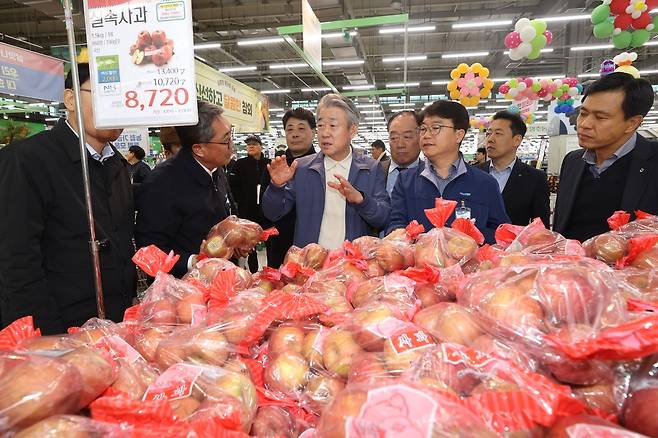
x=407 y=136
x=433 y=130
x=223 y=143
x=85 y=89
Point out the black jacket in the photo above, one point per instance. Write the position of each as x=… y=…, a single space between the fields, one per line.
x=278 y=246
x=178 y=204
x=45 y=261
x=640 y=190
x=245 y=181
x=138 y=172
x=526 y=194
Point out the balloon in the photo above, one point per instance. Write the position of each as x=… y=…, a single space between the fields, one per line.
x=522 y=86
x=484 y=93
x=476 y=68
x=504 y=89
x=539 y=26
x=539 y=42
x=640 y=37
x=628 y=69
x=523 y=22
x=542 y=93
x=618 y=6
x=600 y=14
x=462 y=68
x=528 y=82
x=524 y=49
x=604 y=30
x=455 y=74
x=623 y=22
x=536 y=87
x=484 y=73
x=454 y=94
x=557 y=83
x=623 y=40
x=452 y=85
x=549 y=37
x=642 y=22
x=514 y=92
x=513 y=83
x=515 y=54
x=534 y=54
x=512 y=40
x=528 y=34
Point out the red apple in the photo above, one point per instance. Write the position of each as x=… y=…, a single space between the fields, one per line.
x=185 y=306
x=148 y=341
x=347 y=404
x=162 y=311
x=430 y=294
x=321 y=390
x=389 y=257
x=639 y=412
x=273 y=422
x=449 y=322
x=158 y=38
x=568 y=295
x=609 y=247
x=312 y=348
x=144 y=39
x=369 y=326
x=461 y=247
x=184 y=408
x=209 y=346
x=97 y=372
x=287 y=373
x=367 y=367
x=510 y=306
x=286 y=338
x=647 y=259
x=338 y=351
x=601 y=396
x=314 y=256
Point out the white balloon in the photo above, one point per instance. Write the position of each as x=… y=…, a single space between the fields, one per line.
x=528 y=34
x=558 y=83
x=523 y=22
x=513 y=92
x=514 y=54
x=522 y=86
x=573 y=91
x=525 y=49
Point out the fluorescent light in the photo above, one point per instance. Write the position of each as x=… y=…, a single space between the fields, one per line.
x=238 y=69
x=371 y=112
x=367 y=105
x=589 y=75
x=197 y=57
x=501 y=79
x=343 y=62
x=592 y=47
x=506 y=52
x=257 y=41
x=541 y=112
x=651 y=43
x=206 y=46
x=277 y=110
x=314 y=89
x=497 y=106
x=288 y=65
x=276 y=91
x=402 y=58
x=648 y=72
x=485 y=114
x=385 y=30
x=463 y=55
x=556 y=76
x=358 y=87
x=401 y=105
x=440 y=82
x=54 y=119
x=374 y=118
x=476 y=24
x=338 y=34
x=402 y=84
x=566 y=18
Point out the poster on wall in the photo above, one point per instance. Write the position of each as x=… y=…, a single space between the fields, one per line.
x=133 y=137
x=142 y=61
x=29 y=74
x=244 y=107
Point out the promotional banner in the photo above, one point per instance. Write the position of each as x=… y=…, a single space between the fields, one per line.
x=29 y=74
x=133 y=137
x=312 y=35
x=142 y=58
x=244 y=107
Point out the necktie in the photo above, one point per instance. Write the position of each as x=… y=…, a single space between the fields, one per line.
x=402 y=169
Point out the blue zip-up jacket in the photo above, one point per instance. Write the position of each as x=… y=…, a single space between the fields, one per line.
x=306 y=191
x=413 y=193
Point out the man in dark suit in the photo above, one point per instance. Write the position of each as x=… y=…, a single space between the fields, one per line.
x=524 y=189
x=618 y=169
x=405 y=146
x=182 y=198
x=45 y=264
x=378 y=151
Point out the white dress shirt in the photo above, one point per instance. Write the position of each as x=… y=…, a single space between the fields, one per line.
x=106 y=153
x=332 y=228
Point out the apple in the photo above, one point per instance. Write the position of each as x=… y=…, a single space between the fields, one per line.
x=144 y=39
x=559 y=429
x=225 y=394
x=286 y=338
x=346 y=404
x=158 y=38
x=608 y=247
x=639 y=411
x=286 y=373
x=184 y=407
x=314 y=256
x=398 y=362
x=367 y=245
x=130 y=381
x=368 y=323
x=162 y=55
x=186 y=305
x=389 y=257
x=449 y=322
x=49 y=343
x=647 y=259
x=68 y=426
x=169 y=353
x=600 y=396
x=311 y=348
x=159 y=311
x=209 y=346
x=374 y=269
x=147 y=342
x=568 y=295
x=273 y=422
x=367 y=367
x=461 y=247
x=97 y=373
x=510 y=306
x=430 y=294
x=321 y=390
x=338 y=350
x=294 y=255
x=590 y=372
x=495 y=385
x=428 y=251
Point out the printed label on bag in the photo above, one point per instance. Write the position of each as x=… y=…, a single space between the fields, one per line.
x=199 y=313
x=175 y=383
x=410 y=339
x=118 y=348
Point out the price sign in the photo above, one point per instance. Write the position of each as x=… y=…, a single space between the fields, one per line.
x=142 y=62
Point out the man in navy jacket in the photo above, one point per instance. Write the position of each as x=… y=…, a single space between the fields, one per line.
x=445 y=174
x=337 y=194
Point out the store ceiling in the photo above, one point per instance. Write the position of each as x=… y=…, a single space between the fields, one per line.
x=39 y=22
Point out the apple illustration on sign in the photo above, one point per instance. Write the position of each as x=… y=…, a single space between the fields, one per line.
x=152 y=47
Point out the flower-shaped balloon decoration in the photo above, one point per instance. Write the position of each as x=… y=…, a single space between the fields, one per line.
x=628 y=22
x=607 y=67
x=480 y=123
x=564 y=90
x=528 y=38
x=470 y=83
x=528 y=117
x=624 y=62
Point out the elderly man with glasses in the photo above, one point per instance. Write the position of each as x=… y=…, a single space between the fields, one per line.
x=445 y=174
x=182 y=198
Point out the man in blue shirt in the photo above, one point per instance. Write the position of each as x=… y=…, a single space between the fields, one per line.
x=405 y=146
x=445 y=174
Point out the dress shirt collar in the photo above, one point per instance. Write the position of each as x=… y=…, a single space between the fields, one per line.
x=106 y=153
x=457 y=168
x=395 y=165
x=208 y=171
x=509 y=167
x=330 y=163
x=590 y=156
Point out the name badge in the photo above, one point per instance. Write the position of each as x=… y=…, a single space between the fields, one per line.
x=463 y=211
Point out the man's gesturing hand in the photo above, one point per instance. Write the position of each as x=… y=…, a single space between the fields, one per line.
x=280 y=172
x=346 y=189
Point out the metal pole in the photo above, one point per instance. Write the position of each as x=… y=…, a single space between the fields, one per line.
x=93 y=243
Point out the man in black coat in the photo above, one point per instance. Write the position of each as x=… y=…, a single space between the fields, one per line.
x=618 y=169
x=45 y=261
x=246 y=181
x=524 y=189
x=299 y=125
x=184 y=197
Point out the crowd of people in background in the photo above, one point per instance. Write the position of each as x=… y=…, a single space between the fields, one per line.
x=325 y=197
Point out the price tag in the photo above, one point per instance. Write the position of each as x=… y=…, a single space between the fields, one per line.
x=142 y=62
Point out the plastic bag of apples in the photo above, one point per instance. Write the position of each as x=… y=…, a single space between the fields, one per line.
x=535 y=238
x=234 y=233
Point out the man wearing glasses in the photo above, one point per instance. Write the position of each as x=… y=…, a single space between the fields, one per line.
x=182 y=198
x=445 y=174
x=405 y=146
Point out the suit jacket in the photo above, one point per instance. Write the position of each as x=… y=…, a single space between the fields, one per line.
x=305 y=192
x=526 y=194
x=248 y=174
x=45 y=261
x=640 y=190
x=178 y=204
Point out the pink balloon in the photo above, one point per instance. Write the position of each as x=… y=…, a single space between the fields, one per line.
x=565 y=96
x=504 y=89
x=542 y=93
x=549 y=37
x=528 y=82
x=512 y=40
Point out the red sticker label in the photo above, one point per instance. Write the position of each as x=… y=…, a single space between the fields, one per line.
x=175 y=383
x=411 y=338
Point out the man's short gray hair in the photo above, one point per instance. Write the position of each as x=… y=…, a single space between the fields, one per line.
x=342 y=102
x=203 y=131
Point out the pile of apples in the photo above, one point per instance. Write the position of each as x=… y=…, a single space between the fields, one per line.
x=152 y=47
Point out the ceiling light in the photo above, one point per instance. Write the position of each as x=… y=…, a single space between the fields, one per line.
x=463 y=55
x=338 y=34
x=589 y=75
x=497 y=107
x=276 y=91
x=402 y=58
x=370 y=111
x=410 y=29
x=358 y=87
x=402 y=84
x=648 y=72
x=343 y=62
x=592 y=47
x=556 y=76
x=566 y=18
x=401 y=105
x=541 y=112
x=206 y=46
x=506 y=52
x=314 y=89
x=288 y=65
x=200 y=58
x=374 y=118
x=440 y=82
x=651 y=43
x=238 y=69
x=277 y=110
x=476 y=24
x=501 y=79
x=257 y=41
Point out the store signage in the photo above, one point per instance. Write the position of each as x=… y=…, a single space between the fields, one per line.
x=133 y=137
x=142 y=61
x=244 y=107
x=312 y=34
x=28 y=74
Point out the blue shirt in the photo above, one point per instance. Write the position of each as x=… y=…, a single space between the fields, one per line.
x=590 y=157
x=457 y=168
x=106 y=153
x=394 y=172
x=501 y=175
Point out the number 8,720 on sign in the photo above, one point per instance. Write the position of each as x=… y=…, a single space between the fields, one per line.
x=157 y=98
